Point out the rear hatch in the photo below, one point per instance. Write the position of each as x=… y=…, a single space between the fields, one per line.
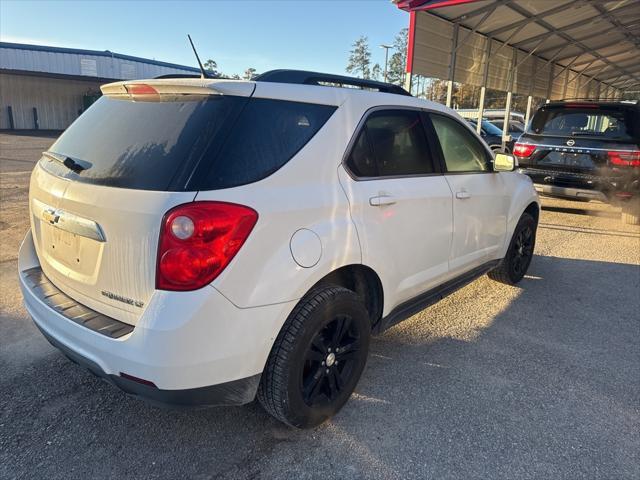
x=98 y=196
x=578 y=144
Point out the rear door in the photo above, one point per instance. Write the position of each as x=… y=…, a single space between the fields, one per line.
x=480 y=202
x=400 y=202
x=123 y=164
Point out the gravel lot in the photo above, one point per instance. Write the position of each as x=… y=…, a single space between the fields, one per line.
x=536 y=381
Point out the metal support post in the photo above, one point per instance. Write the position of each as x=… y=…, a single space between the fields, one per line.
x=452 y=63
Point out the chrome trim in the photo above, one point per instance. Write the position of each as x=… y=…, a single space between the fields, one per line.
x=72 y=223
x=575 y=149
x=568 y=192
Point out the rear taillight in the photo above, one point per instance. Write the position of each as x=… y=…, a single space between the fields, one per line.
x=624 y=159
x=523 y=149
x=197 y=242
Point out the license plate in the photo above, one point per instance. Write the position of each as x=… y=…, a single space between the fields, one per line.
x=580 y=160
x=61 y=245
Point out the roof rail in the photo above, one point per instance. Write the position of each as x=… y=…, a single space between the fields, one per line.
x=302 y=77
x=594 y=100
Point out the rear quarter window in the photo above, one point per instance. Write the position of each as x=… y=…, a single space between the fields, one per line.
x=266 y=135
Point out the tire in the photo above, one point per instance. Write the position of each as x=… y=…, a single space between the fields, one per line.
x=518 y=258
x=631 y=212
x=317 y=358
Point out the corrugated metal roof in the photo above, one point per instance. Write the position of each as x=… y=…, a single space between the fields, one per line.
x=581 y=39
x=83 y=63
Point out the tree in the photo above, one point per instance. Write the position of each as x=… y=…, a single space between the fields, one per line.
x=360 y=58
x=376 y=72
x=398 y=62
x=249 y=73
x=435 y=90
x=211 y=67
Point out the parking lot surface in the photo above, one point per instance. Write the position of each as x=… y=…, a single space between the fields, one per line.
x=541 y=380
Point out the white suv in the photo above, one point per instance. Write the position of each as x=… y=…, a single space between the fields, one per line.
x=204 y=242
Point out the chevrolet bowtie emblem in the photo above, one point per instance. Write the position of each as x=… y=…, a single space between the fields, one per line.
x=50 y=215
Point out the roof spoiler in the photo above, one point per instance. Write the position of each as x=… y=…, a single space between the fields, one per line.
x=179 y=86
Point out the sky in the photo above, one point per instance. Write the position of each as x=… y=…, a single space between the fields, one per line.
x=263 y=34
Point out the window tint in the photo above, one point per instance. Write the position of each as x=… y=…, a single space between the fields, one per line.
x=395 y=139
x=142 y=144
x=267 y=134
x=461 y=150
x=361 y=161
x=217 y=141
x=612 y=123
x=491 y=129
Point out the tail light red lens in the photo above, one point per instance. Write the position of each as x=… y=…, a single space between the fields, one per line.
x=197 y=242
x=523 y=149
x=140 y=89
x=624 y=159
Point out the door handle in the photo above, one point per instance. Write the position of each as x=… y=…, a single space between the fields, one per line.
x=381 y=200
x=463 y=194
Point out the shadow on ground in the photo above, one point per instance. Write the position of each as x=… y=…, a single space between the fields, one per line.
x=582 y=211
x=545 y=388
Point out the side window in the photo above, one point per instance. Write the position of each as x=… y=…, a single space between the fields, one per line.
x=361 y=161
x=266 y=135
x=392 y=143
x=461 y=150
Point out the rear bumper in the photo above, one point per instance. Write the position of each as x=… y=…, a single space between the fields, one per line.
x=237 y=392
x=195 y=348
x=606 y=186
x=568 y=192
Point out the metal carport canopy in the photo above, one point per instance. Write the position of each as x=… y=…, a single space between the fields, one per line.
x=548 y=49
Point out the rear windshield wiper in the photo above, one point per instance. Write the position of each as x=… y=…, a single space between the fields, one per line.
x=68 y=162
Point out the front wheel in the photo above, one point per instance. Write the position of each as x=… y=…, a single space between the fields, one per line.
x=518 y=258
x=317 y=359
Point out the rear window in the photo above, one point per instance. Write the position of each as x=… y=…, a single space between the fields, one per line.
x=184 y=143
x=605 y=123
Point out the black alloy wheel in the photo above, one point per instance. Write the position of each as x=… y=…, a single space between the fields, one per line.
x=318 y=357
x=523 y=252
x=515 y=264
x=330 y=361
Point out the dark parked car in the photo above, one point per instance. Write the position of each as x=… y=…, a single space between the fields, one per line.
x=586 y=150
x=515 y=128
x=492 y=136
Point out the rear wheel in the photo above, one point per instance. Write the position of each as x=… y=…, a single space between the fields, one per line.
x=518 y=258
x=317 y=359
x=631 y=212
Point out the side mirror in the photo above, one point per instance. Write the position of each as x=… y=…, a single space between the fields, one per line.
x=504 y=163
